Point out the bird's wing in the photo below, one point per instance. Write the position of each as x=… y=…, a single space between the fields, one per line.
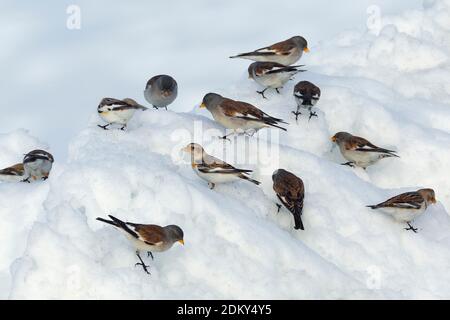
x=149 y=233
x=211 y=164
x=16 y=170
x=408 y=200
x=281 y=48
x=242 y=110
x=361 y=144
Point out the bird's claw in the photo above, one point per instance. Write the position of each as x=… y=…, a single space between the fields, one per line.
x=149 y=254
x=279 y=206
x=105 y=127
x=350 y=164
x=296 y=113
x=411 y=228
x=312 y=114
x=143 y=267
x=262 y=93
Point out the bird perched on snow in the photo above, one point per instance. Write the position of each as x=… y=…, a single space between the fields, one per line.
x=271 y=75
x=14 y=173
x=307 y=95
x=161 y=91
x=358 y=151
x=115 y=111
x=213 y=170
x=291 y=192
x=238 y=115
x=285 y=52
x=37 y=165
x=148 y=237
x=407 y=206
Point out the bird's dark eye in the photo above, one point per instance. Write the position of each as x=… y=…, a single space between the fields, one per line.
x=109 y=109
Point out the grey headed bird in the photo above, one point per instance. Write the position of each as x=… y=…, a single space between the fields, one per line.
x=148 y=237
x=213 y=170
x=290 y=190
x=307 y=95
x=115 y=111
x=37 y=165
x=238 y=115
x=161 y=91
x=407 y=206
x=271 y=75
x=285 y=52
x=359 y=151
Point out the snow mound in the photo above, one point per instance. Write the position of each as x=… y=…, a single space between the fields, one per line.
x=237 y=245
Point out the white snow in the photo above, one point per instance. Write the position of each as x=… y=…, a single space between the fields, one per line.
x=391 y=88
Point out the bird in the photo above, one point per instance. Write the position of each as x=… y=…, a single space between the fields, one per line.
x=407 y=206
x=290 y=190
x=147 y=237
x=214 y=170
x=161 y=91
x=359 y=151
x=14 y=173
x=115 y=111
x=37 y=165
x=271 y=75
x=238 y=115
x=285 y=52
x=307 y=95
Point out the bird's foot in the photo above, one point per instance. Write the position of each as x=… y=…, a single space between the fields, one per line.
x=105 y=127
x=165 y=108
x=224 y=138
x=155 y=107
x=149 y=254
x=350 y=164
x=297 y=113
x=144 y=266
x=26 y=180
x=279 y=206
x=141 y=263
x=44 y=178
x=312 y=114
x=278 y=90
x=211 y=185
x=123 y=128
x=411 y=228
x=262 y=93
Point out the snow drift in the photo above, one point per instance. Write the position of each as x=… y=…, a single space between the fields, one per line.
x=391 y=88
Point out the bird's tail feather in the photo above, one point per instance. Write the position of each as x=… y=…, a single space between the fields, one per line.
x=243 y=176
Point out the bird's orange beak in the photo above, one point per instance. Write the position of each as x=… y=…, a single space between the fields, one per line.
x=434 y=200
x=203 y=105
x=333 y=138
x=186 y=149
x=181 y=241
x=306 y=50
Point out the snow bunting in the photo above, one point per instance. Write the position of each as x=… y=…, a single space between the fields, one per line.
x=212 y=169
x=407 y=206
x=307 y=95
x=161 y=91
x=271 y=75
x=148 y=237
x=117 y=111
x=358 y=151
x=286 y=52
x=14 y=173
x=37 y=165
x=291 y=192
x=237 y=114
